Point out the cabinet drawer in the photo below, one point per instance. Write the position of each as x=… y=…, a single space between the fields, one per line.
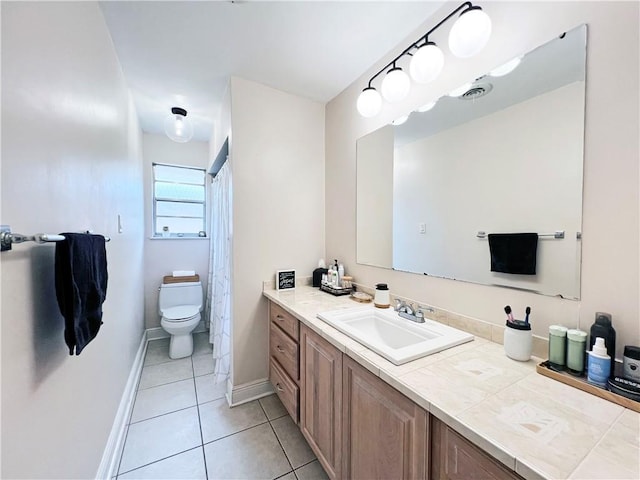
x=285 y=388
x=284 y=350
x=287 y=322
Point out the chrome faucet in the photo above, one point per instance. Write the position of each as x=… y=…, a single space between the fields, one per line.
x=402 y=306
x=408 y=311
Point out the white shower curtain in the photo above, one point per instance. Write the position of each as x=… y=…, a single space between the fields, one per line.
x=219 y=294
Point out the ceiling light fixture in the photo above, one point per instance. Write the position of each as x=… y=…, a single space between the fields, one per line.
x=469 y=34
x=177 y=126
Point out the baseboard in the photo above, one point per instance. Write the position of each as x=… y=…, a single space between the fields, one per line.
x=109 y=464
x=247 y=392
x=158 y=332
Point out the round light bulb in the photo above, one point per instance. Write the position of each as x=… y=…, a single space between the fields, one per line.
x=427 y=106
x=395 y=85
x=177 y=126
x=426 y=64
x=456 y=92
x=400 y=120
x=507 y=68
x=369 y=102
x=470 y=33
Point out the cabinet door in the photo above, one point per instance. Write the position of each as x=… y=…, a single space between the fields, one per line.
x=321 y=398
x=384 y=433
x=456 y=458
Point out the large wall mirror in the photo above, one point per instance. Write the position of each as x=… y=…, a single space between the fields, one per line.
x=506 y=157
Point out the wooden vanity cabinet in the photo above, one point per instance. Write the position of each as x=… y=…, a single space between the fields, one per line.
x=321 y=399
x=359 y=426
x=453 y=457
x=283 y=358
x=384 y=434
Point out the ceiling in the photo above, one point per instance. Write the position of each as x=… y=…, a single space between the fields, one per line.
x=183 y=53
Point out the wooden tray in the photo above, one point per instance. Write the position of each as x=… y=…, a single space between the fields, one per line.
x=172 y=279
x=582 y=384
x=367 y=299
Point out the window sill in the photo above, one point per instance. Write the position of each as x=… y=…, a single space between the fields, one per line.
x=178 y=238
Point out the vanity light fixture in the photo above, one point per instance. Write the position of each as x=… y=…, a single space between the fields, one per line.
x=400 y=120
x=395 y=85
x=427 y=106
x=506 y=68
x=469 y=34
x=177 y=126
x=426 y=64
x=369 y=102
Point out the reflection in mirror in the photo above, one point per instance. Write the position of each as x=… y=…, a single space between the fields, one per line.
x=504 y=157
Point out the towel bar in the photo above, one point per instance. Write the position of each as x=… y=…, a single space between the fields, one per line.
x=556 y=234
x=7 y=239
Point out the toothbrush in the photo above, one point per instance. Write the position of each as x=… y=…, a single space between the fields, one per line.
x=507 y=310
x=526 y=318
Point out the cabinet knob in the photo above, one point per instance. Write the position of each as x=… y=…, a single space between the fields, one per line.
x=279 y=349
x=279 y=388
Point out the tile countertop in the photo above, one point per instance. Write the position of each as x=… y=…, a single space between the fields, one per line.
x=534 y=425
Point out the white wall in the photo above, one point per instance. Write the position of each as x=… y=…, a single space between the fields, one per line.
x=610 y=256
x=489 y=182
x=221 y=126
x=277 y=162
x=374 y=189
x=71 y=160
x=163 y=256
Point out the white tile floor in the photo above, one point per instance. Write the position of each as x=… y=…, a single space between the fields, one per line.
x=182 y=428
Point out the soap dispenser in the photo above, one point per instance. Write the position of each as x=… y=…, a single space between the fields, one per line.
x=381 y=299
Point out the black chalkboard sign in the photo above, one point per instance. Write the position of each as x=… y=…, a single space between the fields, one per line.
x=285 y=279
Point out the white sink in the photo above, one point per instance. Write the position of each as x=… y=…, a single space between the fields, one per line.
x=395 y=338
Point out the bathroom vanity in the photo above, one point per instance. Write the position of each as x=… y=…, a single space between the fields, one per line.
x=467 y=412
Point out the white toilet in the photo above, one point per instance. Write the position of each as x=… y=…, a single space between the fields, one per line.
x=180 y=305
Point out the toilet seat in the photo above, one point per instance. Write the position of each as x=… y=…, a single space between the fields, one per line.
x=181 y=313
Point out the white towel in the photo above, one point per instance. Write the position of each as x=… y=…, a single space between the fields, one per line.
x=184 y=273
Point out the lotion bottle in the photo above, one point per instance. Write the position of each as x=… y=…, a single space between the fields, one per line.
x=599 y=364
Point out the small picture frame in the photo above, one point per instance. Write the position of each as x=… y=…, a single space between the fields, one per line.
x=286 y=279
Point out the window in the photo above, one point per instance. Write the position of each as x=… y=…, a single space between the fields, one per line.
x=178 y=201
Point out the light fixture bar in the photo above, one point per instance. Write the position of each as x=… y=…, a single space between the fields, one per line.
x=424 y=38
x=469 y=34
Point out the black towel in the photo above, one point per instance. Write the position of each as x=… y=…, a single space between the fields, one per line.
x=81 y=286
x=513 y=252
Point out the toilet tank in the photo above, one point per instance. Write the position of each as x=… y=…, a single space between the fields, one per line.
x=184 y=293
